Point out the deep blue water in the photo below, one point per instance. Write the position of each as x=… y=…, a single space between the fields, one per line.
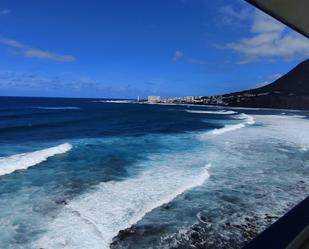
x=76 y=172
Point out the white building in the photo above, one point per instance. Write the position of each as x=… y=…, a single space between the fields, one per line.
x=154 y=99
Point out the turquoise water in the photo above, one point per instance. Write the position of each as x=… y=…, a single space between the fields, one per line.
x=82 y=173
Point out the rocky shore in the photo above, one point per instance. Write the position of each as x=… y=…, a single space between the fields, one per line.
x=203 y=235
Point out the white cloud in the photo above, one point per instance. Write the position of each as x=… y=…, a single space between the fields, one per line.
x=276 y=76
x=233 y=16
x=270 y=40
x=4 y=12
x=40 y=54
x=263 y=23
x=65 y=84
x=178 y=55
x=30 y=52
x=36 y=81
x=231 y=12
x=269 y=79
x=11 y=43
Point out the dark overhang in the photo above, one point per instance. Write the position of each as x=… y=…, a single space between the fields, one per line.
x=294 y=13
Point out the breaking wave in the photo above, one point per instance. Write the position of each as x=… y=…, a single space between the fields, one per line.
x=116 y=101
x=94 y=219
x=224 y=112
x=25 y=160
x=57 y=107
x=227 y=128
x=248 y=120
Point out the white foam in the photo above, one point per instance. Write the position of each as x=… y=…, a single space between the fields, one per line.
x=224 y=112
x=117 y=101
x=227 y=128
x=94 y=219
x=25 y=160
x=57 y=107
x=291 y=128
x=247 y=120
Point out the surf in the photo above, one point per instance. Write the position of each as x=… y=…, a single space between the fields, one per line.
x=223 y=112
x=57 y=107
x=117 y=205
x=245 y=121
x=23 y=161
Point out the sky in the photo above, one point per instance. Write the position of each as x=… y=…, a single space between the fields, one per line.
x=125 y=49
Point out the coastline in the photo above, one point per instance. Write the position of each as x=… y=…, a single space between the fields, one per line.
x=223 y=107
x=205 y=231
x=143 y=176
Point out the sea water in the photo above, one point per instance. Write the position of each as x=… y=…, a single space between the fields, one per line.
x=84 y=173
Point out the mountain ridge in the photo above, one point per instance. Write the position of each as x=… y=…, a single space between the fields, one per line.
x=290 y=91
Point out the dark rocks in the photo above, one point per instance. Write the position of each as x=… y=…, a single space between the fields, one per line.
x=208 y=233
x=195 y=236
x=167 y=206
x=202 y=218
x=125 y=233
x=122 y=235
x=61 y=202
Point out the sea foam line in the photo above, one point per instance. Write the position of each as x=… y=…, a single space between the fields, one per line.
x=224 y=112
x=248 y=120
x=25 y=160
x=94 y=219
x=115 y=101
x=57 y=107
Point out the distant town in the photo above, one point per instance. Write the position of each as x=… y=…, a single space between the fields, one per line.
x=291 y=91
x=211 y=100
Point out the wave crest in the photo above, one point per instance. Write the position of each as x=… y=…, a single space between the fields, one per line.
x=115 y=206
x=57 y=107
x=247 y=120
x=116 y=101
x=224 y=112
x=25 y=160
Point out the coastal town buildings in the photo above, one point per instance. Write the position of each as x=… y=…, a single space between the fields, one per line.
x=154 y=99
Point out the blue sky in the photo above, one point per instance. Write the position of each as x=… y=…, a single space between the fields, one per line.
x=122 y=49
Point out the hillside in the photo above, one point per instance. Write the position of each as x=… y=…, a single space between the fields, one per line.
x=291 y=91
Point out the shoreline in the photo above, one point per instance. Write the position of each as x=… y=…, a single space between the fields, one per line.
x=223 y=107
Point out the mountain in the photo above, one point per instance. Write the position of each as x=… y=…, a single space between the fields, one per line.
x=290 y=91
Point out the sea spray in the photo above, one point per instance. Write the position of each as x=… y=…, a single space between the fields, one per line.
x=117 y=205
x=223 y=112
x=246 y=120
x=25 y=160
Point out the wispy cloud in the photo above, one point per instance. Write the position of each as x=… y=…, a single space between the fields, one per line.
x=180 y=56
x=31 y=52
x=4 y=12
x=230 y=14
x=233 y=16
x=269 y=79
x=269 y=40
x=65 y=84
x=41 y=54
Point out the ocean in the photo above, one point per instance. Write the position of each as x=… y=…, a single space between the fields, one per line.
x=97 y=174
